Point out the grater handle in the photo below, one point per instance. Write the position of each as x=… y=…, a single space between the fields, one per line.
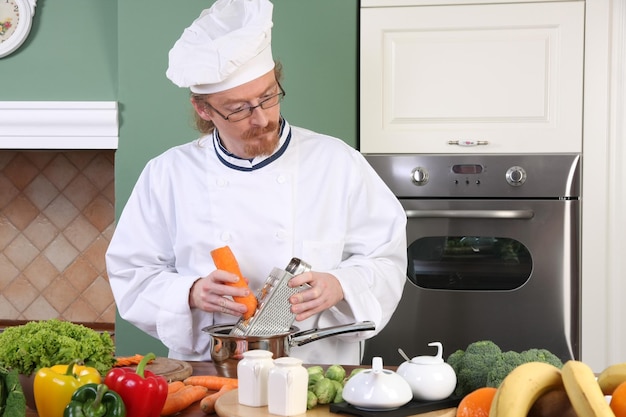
x=308 y=336
x=297 y=266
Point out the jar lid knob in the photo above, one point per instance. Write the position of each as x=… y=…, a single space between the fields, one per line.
x=430 y=360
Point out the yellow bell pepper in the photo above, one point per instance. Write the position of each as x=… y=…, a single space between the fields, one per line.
x=53 y=387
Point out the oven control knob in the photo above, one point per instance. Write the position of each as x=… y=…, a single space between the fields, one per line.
x=419 y=176
x=516 y=176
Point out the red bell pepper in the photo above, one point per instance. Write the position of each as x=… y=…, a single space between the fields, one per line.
x=142 y=391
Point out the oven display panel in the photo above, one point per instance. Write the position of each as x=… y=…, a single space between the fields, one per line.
x=467 y=169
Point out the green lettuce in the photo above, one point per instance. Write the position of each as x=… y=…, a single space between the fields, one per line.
x=41 y=344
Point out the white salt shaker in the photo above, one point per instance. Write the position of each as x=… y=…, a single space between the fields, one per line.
x=253 y=372
x=288 y=381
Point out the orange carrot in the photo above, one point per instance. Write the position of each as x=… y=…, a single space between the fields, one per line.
x=128 y=360
x=182 y=399
x=211 y=382
x=224 y=259
x=174 y=386
x=207 y=404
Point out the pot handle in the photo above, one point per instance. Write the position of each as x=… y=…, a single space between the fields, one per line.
x=308 y=336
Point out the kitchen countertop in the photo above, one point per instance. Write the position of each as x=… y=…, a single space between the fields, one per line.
x=207 y=368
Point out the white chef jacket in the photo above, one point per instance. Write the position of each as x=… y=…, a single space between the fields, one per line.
x=315 y=198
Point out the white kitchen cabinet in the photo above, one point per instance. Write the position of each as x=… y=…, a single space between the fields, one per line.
x=507 y=76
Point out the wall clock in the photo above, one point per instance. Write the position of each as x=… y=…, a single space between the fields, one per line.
x=16 y=17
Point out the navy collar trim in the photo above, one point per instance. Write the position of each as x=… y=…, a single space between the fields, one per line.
x=230 y=160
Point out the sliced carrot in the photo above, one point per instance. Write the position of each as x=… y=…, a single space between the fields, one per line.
x=207 y=404
x=225 y=260
x=211 y=382
x=183 y=398
x=174 y=386
x=128 y=360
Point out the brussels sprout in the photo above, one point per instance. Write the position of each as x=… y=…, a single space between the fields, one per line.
x=339 y=394
x=313 y=378
x=325 y=391
x=335 y=372
x=316 y=369
x=311 y=400
x=353 y=373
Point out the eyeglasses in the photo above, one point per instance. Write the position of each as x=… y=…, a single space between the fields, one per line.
x=246 y=112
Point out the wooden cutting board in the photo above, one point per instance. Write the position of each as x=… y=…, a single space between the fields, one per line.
x=228 y=406
x=170 y=369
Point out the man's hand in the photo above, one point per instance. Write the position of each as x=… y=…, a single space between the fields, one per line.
x=212 y=294
x=325 y=292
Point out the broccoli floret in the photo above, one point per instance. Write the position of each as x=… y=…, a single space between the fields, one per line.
x=541 y=355
x=474 y=366
x=483 y=348
x=454 y=360
x=483 y=364
x=504 y=364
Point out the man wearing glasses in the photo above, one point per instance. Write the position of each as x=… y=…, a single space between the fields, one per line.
x=269 y=190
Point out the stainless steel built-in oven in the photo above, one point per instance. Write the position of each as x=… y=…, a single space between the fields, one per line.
x=493 y=253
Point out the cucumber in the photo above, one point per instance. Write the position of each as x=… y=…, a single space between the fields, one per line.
x=14 y=400
x=3 y=390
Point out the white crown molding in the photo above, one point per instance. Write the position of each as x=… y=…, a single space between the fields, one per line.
x=59 y=125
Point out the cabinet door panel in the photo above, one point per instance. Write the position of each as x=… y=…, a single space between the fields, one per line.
x=507 y=74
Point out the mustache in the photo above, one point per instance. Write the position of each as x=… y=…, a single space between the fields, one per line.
x=259 y=131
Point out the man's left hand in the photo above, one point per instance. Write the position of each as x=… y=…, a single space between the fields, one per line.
x=325 y=292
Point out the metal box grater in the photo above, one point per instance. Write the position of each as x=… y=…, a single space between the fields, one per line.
x=273 y=315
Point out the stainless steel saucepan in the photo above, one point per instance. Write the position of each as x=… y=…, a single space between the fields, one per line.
x=227 y=350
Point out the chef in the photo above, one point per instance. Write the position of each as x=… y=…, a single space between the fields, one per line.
x=268 y=190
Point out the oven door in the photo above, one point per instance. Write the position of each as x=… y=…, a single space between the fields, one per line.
x=502 y=270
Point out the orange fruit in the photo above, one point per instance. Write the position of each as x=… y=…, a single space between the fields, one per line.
x=618 y=400
x=477 y=403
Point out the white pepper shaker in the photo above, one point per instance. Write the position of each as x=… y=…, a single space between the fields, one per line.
x=253 y=372
x=287 y=387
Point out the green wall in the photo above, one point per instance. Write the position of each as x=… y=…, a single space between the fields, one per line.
x=103 y=50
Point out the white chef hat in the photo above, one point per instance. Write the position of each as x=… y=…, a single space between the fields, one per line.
x=228 y=45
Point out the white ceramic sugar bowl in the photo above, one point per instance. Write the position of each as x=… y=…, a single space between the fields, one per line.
x=377 y=389
x=430 y=377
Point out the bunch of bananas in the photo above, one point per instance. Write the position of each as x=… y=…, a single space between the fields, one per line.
x=528 y=382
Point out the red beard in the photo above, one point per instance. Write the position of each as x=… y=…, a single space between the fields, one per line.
x=255 y=146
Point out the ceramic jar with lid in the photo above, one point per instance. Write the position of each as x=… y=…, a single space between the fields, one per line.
x=253 y=373
x=287 y=387
x=430 y=378
x=377 y=389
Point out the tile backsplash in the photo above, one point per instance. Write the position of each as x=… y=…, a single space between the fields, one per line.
x=57 y=213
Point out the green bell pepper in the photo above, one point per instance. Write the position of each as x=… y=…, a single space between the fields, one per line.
x=95 y=400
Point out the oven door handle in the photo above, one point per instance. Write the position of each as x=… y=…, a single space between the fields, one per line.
x=471 y=214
